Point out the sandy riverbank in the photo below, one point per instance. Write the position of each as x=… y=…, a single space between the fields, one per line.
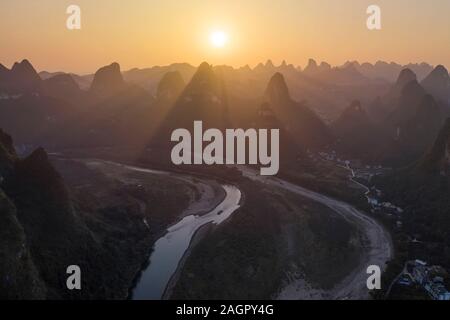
x=377 y=251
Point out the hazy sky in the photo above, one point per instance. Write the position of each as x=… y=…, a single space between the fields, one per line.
x=142 y=33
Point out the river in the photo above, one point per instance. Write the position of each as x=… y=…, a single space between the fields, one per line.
x=169 y=250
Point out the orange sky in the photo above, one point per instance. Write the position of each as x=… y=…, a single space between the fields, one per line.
x=143 y=33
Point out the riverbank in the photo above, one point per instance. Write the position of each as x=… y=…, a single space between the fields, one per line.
x=198 y=236
x=378 y=249
x=170 y=249
x=206 y=198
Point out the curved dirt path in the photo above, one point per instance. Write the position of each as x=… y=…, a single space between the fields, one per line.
x=377 y=250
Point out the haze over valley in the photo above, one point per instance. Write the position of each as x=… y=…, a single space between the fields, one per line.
x=76 y=201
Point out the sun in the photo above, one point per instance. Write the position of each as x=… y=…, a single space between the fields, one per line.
x=218 y=39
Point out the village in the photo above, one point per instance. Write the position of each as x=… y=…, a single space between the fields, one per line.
x=416 y=275
x=428 y=278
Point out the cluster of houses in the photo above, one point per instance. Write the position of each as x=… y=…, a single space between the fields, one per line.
x=366 y=173
x=430 y=278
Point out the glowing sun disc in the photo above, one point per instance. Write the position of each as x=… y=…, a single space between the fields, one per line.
x=219 y=39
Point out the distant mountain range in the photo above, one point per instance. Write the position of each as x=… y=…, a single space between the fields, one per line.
x=350 y=72
x=399 y=120
x=385 y=114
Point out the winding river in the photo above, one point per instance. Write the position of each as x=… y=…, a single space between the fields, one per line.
x=170 y=249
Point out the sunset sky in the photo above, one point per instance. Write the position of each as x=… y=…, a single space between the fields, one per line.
x=143 y=33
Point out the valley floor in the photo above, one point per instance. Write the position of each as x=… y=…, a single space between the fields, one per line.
x=286 y=242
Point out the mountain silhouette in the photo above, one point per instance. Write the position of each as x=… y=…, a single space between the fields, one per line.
x=20 y=277
x=64 y=87
x=107 y=81
x=437 y=160
x=37 y=211
x=204 y=98
x=406 y=76
x=170 y=86
x=22 y=78
x=389 y=71
x=277 y=90
x=357 y=136
x=311 y=68
x=437 y=83
x=421 y=129
x=24 y=73
x=352 y=118
x=411 y=96
x=306 y=128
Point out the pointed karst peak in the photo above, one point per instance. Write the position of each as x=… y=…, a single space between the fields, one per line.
x=437 y=83
x=325 y=66
x=204 y=72
x=24 y=70
x=354 y=64
x=113 y=68
x=26 y=63
x=441 y=70
x=283 y=64
x=405 y=77
x=312 y=63
x=23 y=64
x=439 y=76
x=108 y=79
x=23 y=67
x=269 y=64
x=204 y=66
x=311 y=67
x=37 y=173
x=277 y=89
x=37 y=166
x=170 y=86
x=204 y=81
x=246 y=68
x=351 y=67
x=259 y=66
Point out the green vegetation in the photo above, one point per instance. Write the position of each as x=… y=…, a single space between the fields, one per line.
x=272 y=235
